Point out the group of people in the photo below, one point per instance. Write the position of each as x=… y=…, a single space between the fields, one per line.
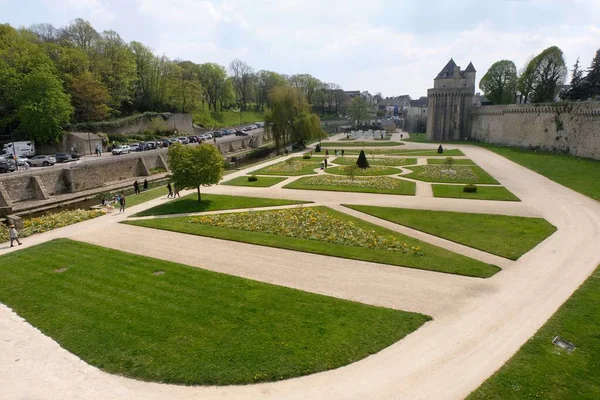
x=119 y=199
x=99 y=150
x=172 y=193
x=136 y=186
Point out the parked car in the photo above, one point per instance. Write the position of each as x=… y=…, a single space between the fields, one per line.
x=124 y=149
x=150 y=145
x=173 y=141
x=134 y=147
x=194 y=139
x=62 y=157
x=42 y=161
x=216 y=134
x=75 y=156
x=227 y=132
x=183 y=140
x=240 y=133
x=165 y=143
x=7 y=165
x=23 y=162
x=208 y=136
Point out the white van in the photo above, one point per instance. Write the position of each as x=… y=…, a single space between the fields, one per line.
x=25 y=149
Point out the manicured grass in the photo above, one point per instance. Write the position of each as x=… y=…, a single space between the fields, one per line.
x=457 y=161
x=417 y=137
x=503 y=235
x=361 y=144
x=579 y=174
x=483 y=193
x=397 y=161
x=151 y=194
x=462 y=174
x=540 y=370
x=213 y=202
x=400 y=152
x=263 y=181
x=286 y=168
x=400 y=187
x=188 y=326
x=372 y=171
x=435 y=258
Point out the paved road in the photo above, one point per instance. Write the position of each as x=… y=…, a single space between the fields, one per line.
x=478 y=323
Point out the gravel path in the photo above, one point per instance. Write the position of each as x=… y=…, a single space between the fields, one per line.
x=478 y=323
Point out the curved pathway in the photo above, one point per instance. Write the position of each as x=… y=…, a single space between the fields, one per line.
x=478 y=323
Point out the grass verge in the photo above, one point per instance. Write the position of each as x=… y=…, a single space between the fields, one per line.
x=213 y=202
x=499 y=193
x=435 y=258
x=263 y=181
x=417 y=138
x=459 y=174
x=540 y=370
x=579 y=174
x=503 y=235
x=188 y=326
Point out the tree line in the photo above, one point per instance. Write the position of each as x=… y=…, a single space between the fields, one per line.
x=539 y=81
x=53 y=77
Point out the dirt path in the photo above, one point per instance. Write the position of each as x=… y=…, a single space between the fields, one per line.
x=478 y=324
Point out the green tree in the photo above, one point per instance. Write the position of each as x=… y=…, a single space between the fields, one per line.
x=545 y=72
x=289 y=119
x=580 y=87
x=593 y=76
x=449 y=163
x=82 y=34
x=213 y=78
x=499 y=84
x=89 y=98
x=351 y=170
x=358 y=110
x=43 y=106
x=242 y=78
x=362 y=161
x=195 y=166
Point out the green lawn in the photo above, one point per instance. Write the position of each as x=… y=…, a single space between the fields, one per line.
x=292 y=167
x=401 y=152
x=435 y=258
x=483 y=193
x=392 y=161
x=379 y=185
x=361 y=144
x=457 y=161
x=372 y=171
x=263 y=181
x=417 y=137
x=151 y=194
x=227 y=119
x=457 y=174
x=540 y=370
x=187 y=326
x=579 y=174
x=503 y=235
x=213 y=202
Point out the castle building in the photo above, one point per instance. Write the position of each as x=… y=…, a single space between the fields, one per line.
x=450 y=103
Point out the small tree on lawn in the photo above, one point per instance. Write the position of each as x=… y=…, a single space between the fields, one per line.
x=351 y=171
x=449 y=162
x=196 y=166
x=362 y=161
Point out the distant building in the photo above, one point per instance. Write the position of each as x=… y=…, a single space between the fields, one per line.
x=416 y=117
x=395 y=105
x=450 y=102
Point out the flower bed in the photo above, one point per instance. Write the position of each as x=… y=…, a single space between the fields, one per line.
x=292 y=166
x=380 y=182
x=306 y=223
x=390 y=161
x=453 y=174
x=371 y=171
x=50 y=222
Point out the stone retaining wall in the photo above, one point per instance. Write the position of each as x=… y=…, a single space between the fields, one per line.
x=573 y=128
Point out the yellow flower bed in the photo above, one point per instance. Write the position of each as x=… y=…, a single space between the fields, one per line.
x=51 y=221
x=307 y=223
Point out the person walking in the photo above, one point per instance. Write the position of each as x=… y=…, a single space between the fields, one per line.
x=325 y=163
x=136 y=187
x=327 y=152
x=145 y=185
x=122 y=203
x=14 y=236
x=170 y=189
x=176 y=194
x=342 y=152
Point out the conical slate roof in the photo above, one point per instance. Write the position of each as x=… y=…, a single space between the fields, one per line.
x=448 y=70
x=470 y=68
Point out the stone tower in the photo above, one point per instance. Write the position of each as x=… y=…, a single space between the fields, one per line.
x=450 y=103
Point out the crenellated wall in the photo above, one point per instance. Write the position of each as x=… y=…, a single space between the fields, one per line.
x=572 y=128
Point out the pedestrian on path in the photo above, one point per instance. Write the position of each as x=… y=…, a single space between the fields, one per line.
x=325 y=163
x=122 y=203
x=176 y=194
x=170 y=189
x=342 y=152
x=335 y=152
x=327 y=152
x=14 y=236
x=136 y=187
x=145 y=185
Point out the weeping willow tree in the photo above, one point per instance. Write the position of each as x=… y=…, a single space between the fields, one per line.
x=289 y=120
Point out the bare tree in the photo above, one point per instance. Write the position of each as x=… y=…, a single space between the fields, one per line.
x=242 y=78
x=45 y=32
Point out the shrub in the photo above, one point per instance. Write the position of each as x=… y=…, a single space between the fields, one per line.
x=440 y=149
x=470 y=189
x=306 y=156
x=362 y=160
x=252 y=178
x=318 y=148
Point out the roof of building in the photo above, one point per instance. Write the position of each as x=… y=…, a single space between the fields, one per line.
x=470 y=68
x=447 y=71
x=423 y=101
x=85 y=135
x=352 y=92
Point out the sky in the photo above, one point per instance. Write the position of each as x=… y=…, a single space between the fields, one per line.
x=393 y=47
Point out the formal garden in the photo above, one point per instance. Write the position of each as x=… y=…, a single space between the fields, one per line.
x=386 y=161
x=359 y=143
x=292 y=167
x=359 y=184
x=451 y=174
x=254 y=181
x=353 y=170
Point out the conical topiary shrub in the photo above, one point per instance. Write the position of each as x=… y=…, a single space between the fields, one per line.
x=318 y=148
x=362 y=161
x=440 y=149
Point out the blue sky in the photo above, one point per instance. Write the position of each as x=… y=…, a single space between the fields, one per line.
x=394 y=47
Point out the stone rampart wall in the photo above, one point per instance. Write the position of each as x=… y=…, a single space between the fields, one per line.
x=572 y=128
